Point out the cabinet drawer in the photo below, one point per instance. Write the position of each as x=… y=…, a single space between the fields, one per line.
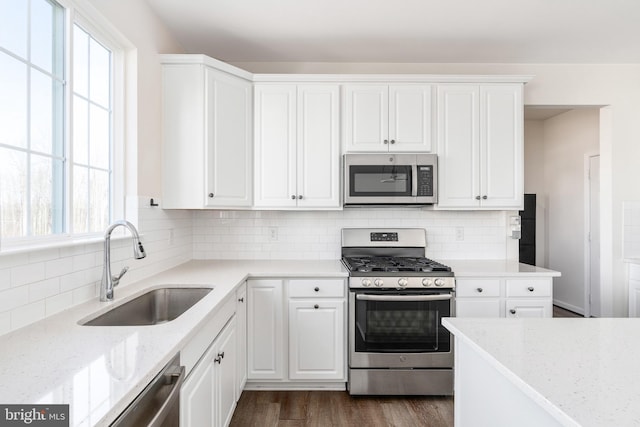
x=529 y=288
x=477 y=287
x=320 y=288
x=634 y=271
x=478 y=307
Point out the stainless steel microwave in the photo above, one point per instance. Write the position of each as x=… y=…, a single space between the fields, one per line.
x=390 y=179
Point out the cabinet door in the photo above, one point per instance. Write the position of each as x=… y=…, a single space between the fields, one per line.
x=225 y=374
x=410 y=118
x=197 y=394
x=634 y=298
x=241 y=342
x=458 y=146
x=366 y=118
x=478 y=307
x=318 y=148
x=275 y=146
x=501 y=146
x=528 y=308
x=229 y=141
x=265 y=330
x=316 y=339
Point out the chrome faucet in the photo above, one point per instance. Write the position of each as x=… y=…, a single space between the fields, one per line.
x=108 y=281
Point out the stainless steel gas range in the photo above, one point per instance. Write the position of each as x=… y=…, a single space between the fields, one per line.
x=397 y=299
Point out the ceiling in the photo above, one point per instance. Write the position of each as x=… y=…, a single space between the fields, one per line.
x=432 y=31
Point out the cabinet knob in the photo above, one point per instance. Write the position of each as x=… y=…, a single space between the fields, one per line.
x=512 y=311
x=240 y=299
x=479 y=289
x=217 y=360
x=293 y=197
x=477 y=197
x=210 y=195
x=316 y=289
x=386 y=141
x=316 y=306
x=300 y=196
x=393 y=141
x=531 y=289
x=221 y=355
x=484 y=197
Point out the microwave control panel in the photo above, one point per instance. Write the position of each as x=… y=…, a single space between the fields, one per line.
x=425 y=181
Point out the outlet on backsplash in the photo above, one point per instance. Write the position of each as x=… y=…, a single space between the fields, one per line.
x=459 y=233
x=273 y=234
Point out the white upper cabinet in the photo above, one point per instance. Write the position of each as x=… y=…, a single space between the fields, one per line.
x=297 y=149
x=480 y=146
x=207 y=138
x=396 y=118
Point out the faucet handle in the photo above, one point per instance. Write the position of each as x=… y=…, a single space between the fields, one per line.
x=116 y=279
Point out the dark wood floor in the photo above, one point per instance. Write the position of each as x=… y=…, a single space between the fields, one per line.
x=561 y=312
x=338 y=408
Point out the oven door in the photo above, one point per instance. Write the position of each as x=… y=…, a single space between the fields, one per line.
x=400 y=328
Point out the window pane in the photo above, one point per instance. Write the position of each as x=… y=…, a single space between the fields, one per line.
x=99 y=137
x=13 y=193
x=41 y=34
x=13 y=101
x=41 y=112
x=80 y=199
x=99 y=201
x=99 y=73
x=13 y=26
x=80 y=62
x=80 y=131
x=46 y=200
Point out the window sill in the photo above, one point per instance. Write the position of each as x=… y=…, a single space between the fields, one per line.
x=59 y=243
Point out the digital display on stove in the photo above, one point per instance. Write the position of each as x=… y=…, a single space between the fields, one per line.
x=384 y=237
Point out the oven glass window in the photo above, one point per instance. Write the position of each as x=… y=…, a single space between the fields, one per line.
x=365 y=181
x=401 y=326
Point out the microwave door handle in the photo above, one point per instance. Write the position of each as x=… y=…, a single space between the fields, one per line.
x=414 y=181
x=365 y=297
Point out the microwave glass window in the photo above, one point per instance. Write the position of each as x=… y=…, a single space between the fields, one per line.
x=380 y=181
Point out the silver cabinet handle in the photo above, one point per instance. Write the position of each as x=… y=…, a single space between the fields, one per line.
x=479 y=289
x=477 y=197
x=293 y=197
x=531 y=289
x=316 y=306
x=512 y=311
x=484 y=197
x=316 y=289
x=386 y=141
x=210 y=195
x=439 y=297
x=300 y=196
x=393 y=141
x=217 y=360
x=221 y=354
x=240 y=299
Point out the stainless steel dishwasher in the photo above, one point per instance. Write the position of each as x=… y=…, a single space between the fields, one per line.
x=158 y=405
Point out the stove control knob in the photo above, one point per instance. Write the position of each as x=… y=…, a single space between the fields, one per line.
x=439 y=282
x=403 y=282
x=366 y=282
x=378 y=282
x=427 y=282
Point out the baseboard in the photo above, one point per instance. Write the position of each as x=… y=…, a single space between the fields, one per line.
x=271 y=386
x=569 y=307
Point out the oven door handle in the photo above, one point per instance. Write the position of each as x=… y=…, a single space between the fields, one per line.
x=365 y=297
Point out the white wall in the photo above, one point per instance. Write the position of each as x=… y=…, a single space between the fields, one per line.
x=534 y=183
x=316 y=235
x=558 y=162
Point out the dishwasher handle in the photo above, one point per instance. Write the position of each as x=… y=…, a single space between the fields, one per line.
x=174 y=379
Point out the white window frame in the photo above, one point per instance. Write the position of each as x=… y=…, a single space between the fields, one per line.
x=87 y=17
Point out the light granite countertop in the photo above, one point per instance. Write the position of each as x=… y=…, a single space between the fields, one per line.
x=100 y=370
x=581 y=371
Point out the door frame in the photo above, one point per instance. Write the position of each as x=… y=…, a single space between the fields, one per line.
x=586 y=237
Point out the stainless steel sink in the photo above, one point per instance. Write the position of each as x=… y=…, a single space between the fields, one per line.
x=154 y=307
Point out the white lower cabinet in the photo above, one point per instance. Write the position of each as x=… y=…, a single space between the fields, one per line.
x=510 y=297
x=241 y=318
x=208 y=396
x=634 y=290
x=296 y=331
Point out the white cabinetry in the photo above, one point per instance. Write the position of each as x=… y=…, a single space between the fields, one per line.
x=302 y=342
x=480 y=146
x=634 y=290
x=208 y=396
x=207 y=137
x=297 y=149
x=504 y=297
x=265 y=330
x=316 y=329
x=241 y=322
x=395 y=118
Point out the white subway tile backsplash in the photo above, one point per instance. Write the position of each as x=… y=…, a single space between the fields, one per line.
x=27 y=314
x=58 y=303
x=27 y=274
x=5 y=279
x=58 y=267
x=14 y=297
x=44 y=289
